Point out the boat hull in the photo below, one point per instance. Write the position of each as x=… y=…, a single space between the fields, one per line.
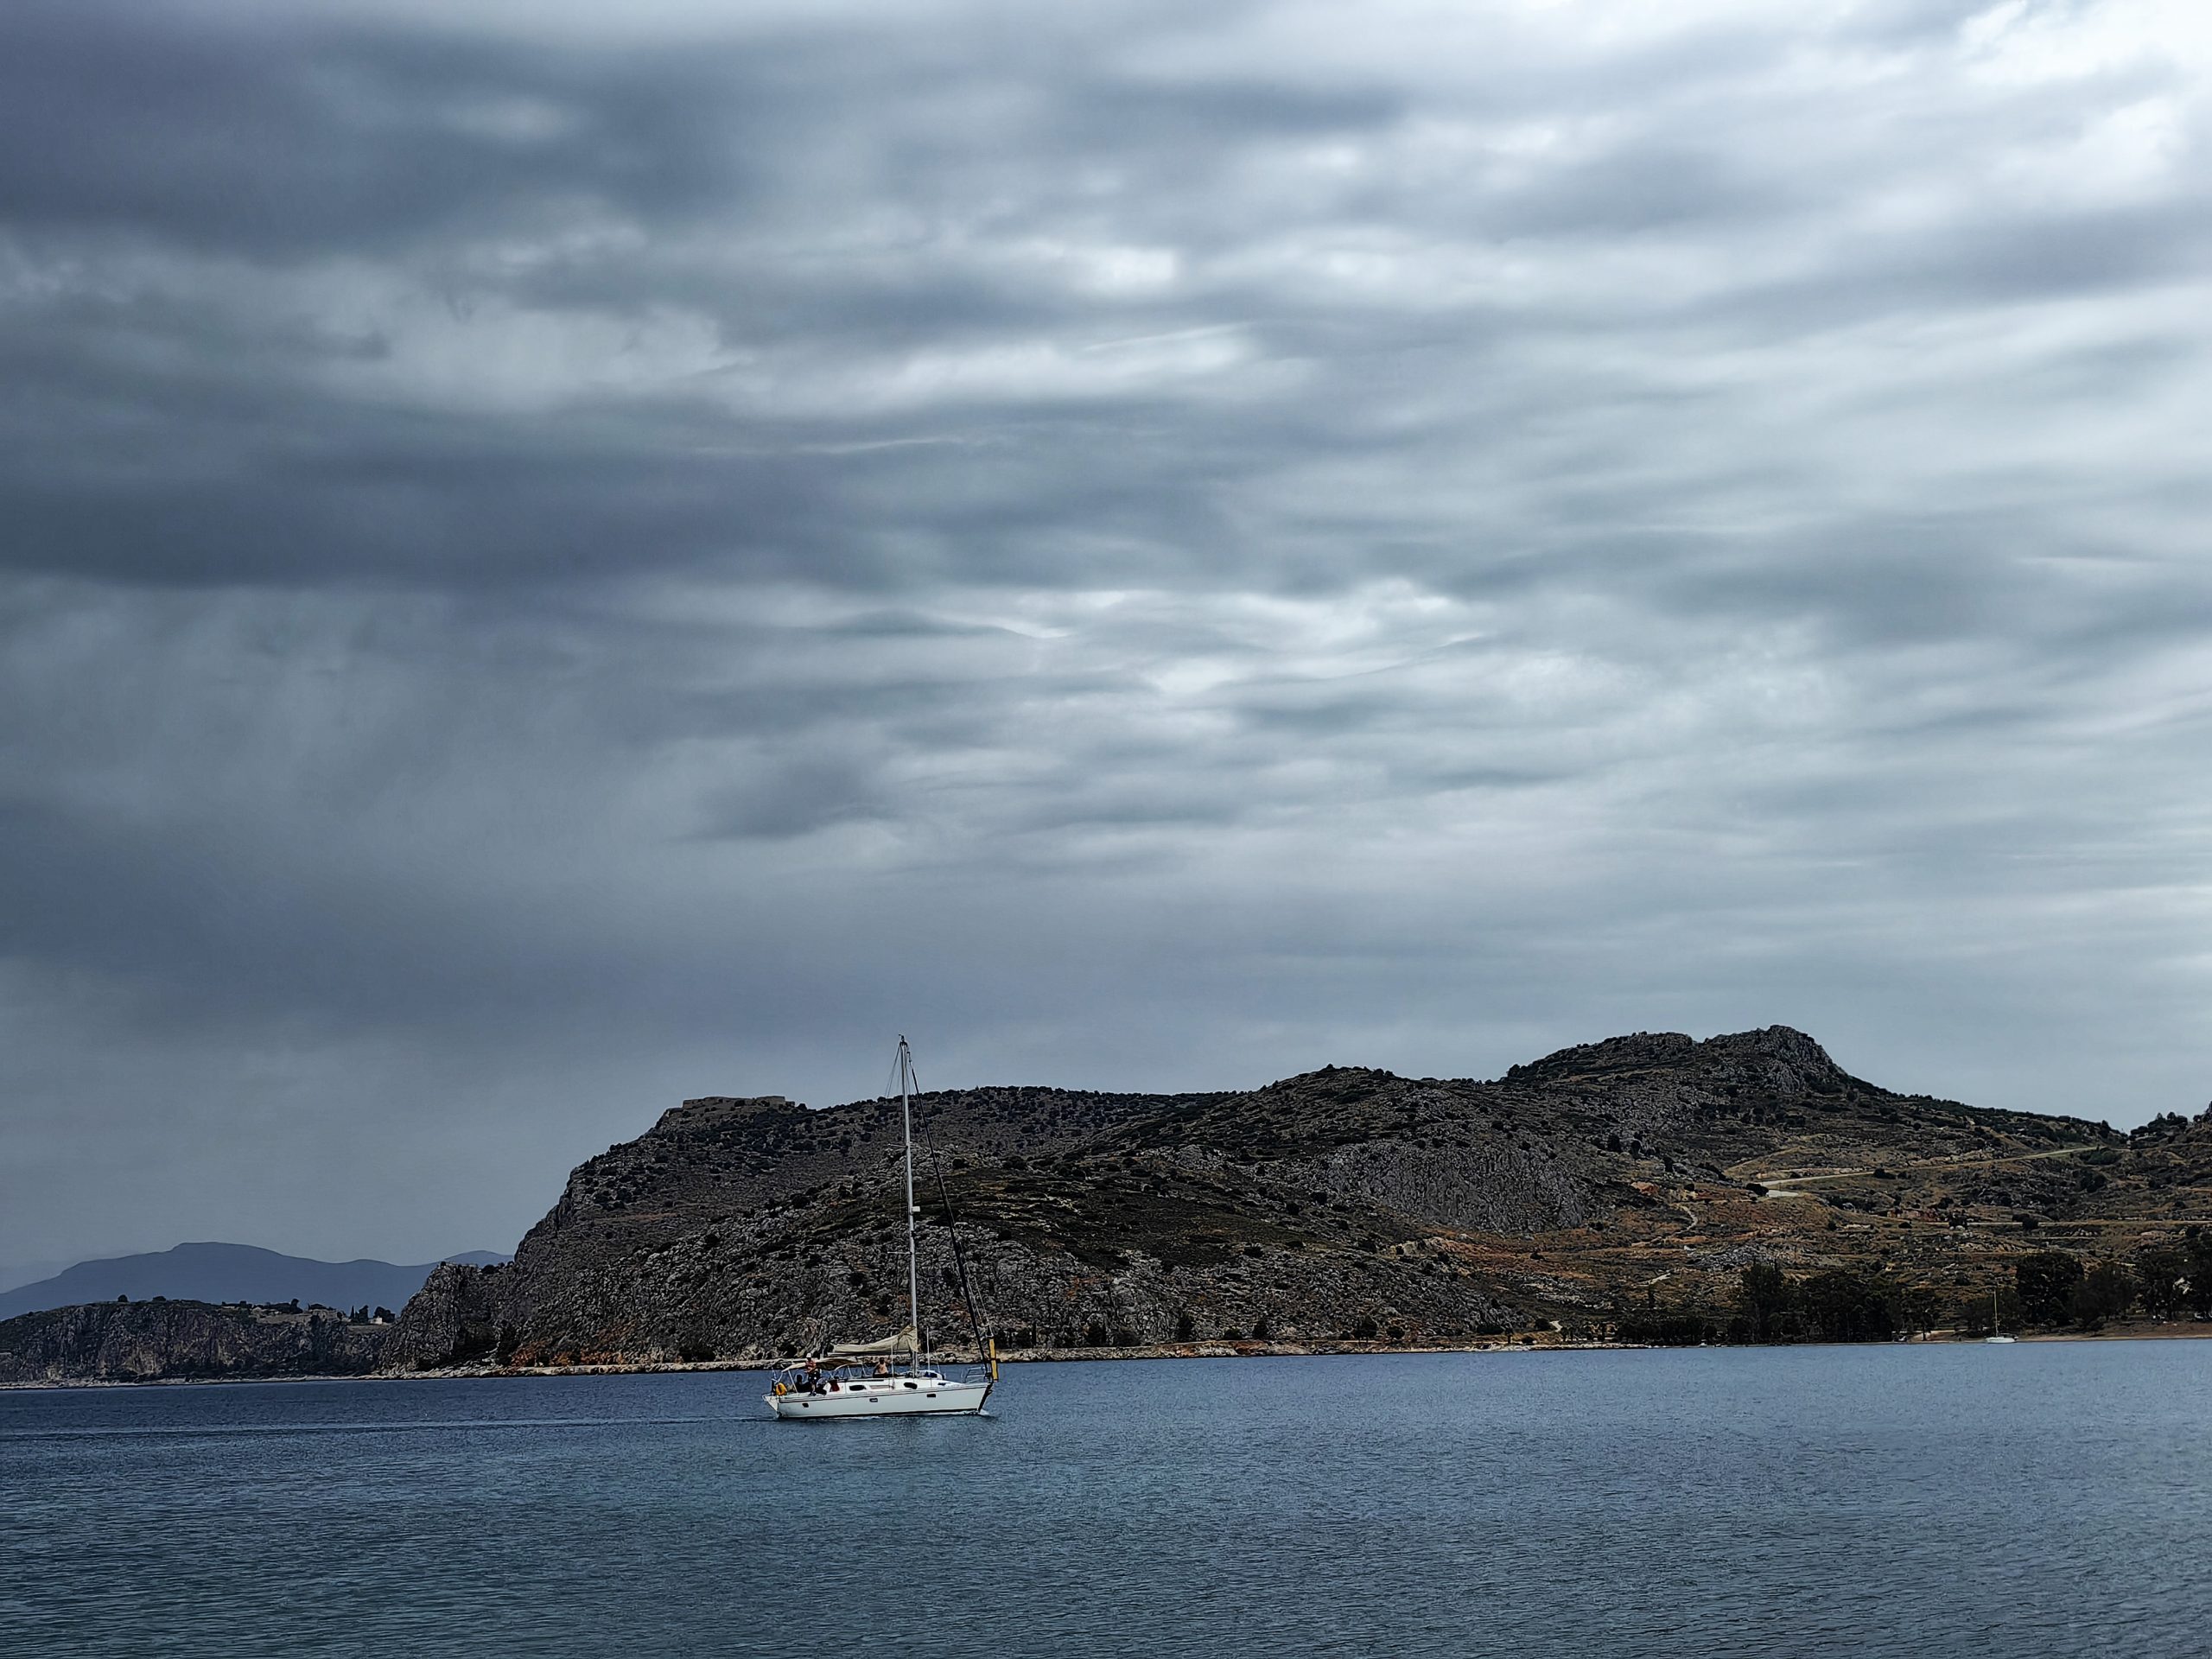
x=930 y=1398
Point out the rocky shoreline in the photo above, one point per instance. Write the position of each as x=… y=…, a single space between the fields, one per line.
x=162 y=1340
x=2134 y=1333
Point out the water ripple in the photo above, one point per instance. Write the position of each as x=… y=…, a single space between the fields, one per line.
x=2041 y=1500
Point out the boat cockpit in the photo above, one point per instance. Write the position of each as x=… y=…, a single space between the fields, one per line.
x=810 y=1377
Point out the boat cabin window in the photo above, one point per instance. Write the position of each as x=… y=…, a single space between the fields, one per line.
x=913 y=1385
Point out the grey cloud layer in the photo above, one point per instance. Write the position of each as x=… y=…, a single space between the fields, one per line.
x=553 y=561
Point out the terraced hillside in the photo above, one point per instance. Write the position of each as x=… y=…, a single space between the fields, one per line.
x=1346 y=1204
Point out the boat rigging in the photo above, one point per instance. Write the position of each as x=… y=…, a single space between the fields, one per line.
x=864 y=1379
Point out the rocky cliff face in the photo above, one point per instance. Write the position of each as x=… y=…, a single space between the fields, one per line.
x=145 y=1342
x=1345 y=1203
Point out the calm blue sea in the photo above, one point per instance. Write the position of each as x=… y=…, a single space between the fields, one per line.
x=2042 y=1499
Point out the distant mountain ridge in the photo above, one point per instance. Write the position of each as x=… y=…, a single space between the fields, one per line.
x=212 y=1272
x=16 y=1275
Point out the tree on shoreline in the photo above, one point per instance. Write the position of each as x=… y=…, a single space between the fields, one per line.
x=2162 y=1279
x=1763 y=1296
x=2046 y=1282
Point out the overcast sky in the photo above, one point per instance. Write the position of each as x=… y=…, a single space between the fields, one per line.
x=555 y=557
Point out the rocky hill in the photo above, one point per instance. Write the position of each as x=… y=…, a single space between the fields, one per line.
x=1346 y=1204
x=144 y=1342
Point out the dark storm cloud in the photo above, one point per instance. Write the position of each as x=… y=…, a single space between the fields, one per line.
x=558 y=558
x=318 y=499
x=288 y=137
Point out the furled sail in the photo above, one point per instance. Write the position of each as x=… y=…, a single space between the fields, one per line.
x=905 y=1343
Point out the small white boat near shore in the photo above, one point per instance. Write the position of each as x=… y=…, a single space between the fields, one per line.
x=1996 y=1326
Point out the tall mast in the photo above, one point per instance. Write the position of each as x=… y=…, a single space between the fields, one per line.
x=907 y=1113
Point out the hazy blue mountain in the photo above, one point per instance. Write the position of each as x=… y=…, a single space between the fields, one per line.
x=26 y=1273
x=229 y=1272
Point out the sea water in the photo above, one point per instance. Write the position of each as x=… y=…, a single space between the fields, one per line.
x=2039 y=1499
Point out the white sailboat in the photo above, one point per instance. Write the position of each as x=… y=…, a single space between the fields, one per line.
x=865 y=1379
